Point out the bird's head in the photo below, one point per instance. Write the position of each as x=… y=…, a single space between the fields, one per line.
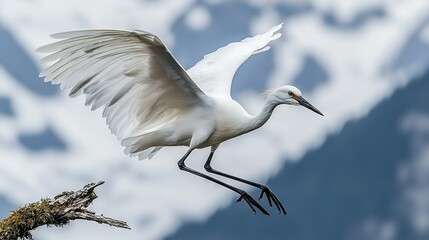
x=292 y=96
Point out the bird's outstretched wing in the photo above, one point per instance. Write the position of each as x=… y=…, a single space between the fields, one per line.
x=214 y=73
x=131 y=75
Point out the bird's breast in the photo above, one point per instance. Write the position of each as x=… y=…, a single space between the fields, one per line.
x=230 y=121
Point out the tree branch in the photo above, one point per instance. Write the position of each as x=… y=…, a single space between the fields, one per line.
x=58 y=211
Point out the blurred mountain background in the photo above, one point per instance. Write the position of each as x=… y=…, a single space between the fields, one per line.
x=361 y=172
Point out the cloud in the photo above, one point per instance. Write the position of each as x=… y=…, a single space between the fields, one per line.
x=414 y=175
x=373 y=229
x=198 y=18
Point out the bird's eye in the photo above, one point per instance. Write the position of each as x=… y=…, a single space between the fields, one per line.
x=290 y=93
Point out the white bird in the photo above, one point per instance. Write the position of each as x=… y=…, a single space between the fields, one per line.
x=150 y=101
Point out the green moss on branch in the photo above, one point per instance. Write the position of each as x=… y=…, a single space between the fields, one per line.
x=29 y=217
x=58 y=211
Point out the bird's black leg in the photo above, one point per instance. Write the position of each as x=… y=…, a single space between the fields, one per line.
x=243 y=194
x=264 y=189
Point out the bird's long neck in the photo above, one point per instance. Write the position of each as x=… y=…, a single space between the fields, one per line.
x=262 y=117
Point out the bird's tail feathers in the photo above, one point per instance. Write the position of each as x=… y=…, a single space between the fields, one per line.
x=146 y=154
x=143 y=145
x=130 y=140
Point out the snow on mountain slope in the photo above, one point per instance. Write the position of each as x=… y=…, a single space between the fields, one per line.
x=356 y=43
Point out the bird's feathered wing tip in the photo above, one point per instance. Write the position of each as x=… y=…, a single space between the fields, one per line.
x=214 y=73
x=273 y=32
x=264 y=49
x=131 y=76
x=270 y=35
x=276 y=28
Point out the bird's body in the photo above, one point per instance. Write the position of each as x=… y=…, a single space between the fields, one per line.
x=225 y=119
x=150 y=101
x=229 y=120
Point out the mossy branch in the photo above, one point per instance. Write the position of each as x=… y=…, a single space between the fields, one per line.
x=58 y=211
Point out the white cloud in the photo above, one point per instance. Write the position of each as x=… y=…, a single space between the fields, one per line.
x=346 y=10
x=413 y=176
x=425 y=34
x=373 y=229
x=198 y=18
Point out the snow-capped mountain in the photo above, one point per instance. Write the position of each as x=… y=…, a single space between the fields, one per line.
x=338 y=176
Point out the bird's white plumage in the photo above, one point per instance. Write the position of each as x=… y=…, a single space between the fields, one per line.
x=214 y=73
x=131 y=75
x=149 y=100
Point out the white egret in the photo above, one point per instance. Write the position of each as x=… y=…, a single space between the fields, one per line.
x=150 y=101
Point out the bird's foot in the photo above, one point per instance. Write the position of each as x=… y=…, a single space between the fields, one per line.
x=251 y=202
x=272 y=198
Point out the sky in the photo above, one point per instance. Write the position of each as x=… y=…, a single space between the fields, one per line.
x=346 y=56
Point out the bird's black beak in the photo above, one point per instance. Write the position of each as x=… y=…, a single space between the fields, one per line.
x=306 y=104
